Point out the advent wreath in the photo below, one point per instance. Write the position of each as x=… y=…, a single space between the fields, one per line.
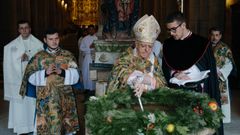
x=166 y=111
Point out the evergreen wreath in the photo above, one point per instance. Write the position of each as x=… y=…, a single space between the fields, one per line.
x=166 y=111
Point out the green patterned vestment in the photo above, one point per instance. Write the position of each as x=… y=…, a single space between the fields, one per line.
x=55 y=103
x=127 y=64
x=221 y=53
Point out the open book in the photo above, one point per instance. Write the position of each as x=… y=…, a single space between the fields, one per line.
x=195 y=78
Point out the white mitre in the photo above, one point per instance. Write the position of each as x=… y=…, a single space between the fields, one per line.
x=146 y=29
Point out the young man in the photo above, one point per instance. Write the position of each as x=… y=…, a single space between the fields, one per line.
x=224 y=62
x=16 y=56
x=53 y=71
x=186 y=55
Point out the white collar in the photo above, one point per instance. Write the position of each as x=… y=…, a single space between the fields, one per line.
x=51 y=51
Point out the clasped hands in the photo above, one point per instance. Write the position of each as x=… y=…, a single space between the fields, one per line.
x=53 y=69
x=24 y=57
x=92 y=46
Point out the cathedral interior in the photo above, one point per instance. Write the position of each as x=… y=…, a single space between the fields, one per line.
x=70 y=15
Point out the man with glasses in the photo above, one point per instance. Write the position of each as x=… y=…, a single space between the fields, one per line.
x=187 y=57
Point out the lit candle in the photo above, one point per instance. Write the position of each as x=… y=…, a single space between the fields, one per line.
x=62 y=3
x=65 y=6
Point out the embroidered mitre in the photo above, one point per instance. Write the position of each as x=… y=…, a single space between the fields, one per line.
x=146 y=29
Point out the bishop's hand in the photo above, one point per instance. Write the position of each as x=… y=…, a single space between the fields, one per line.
x=139 y=89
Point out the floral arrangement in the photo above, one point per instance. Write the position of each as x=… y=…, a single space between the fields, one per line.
x=166 y=111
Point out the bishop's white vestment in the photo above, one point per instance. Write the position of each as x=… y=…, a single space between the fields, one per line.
x=21 y=110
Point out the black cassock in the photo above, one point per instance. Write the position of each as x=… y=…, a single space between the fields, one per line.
x=179 y=55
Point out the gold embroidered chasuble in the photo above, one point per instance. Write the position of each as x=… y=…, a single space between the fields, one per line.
x=127 y=64
x=55 y=103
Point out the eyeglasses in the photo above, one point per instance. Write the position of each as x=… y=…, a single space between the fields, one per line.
x=174 y=29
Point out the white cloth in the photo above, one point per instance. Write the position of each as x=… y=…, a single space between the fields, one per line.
x=13 y=66
x=38 y=78
x=21 y=111
x=137 y=80
x=85 y=48
x=80 y=53
x=157 y=50
x=226 y=108
x=193 y=73
x=21 y=115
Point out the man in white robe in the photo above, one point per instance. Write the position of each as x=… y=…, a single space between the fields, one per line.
x=80 y=54
x=86 y=47
x=16 y=56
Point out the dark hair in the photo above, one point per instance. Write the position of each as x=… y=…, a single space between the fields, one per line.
x=50 y=31
x=22 y=22
x=215 y=28
x=91 y=26
x=175 y=16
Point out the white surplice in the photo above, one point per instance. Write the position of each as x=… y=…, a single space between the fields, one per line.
x=21 y=111
x=80 y=53
x=85 y=48
x=226 y=107
x=157 y=50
